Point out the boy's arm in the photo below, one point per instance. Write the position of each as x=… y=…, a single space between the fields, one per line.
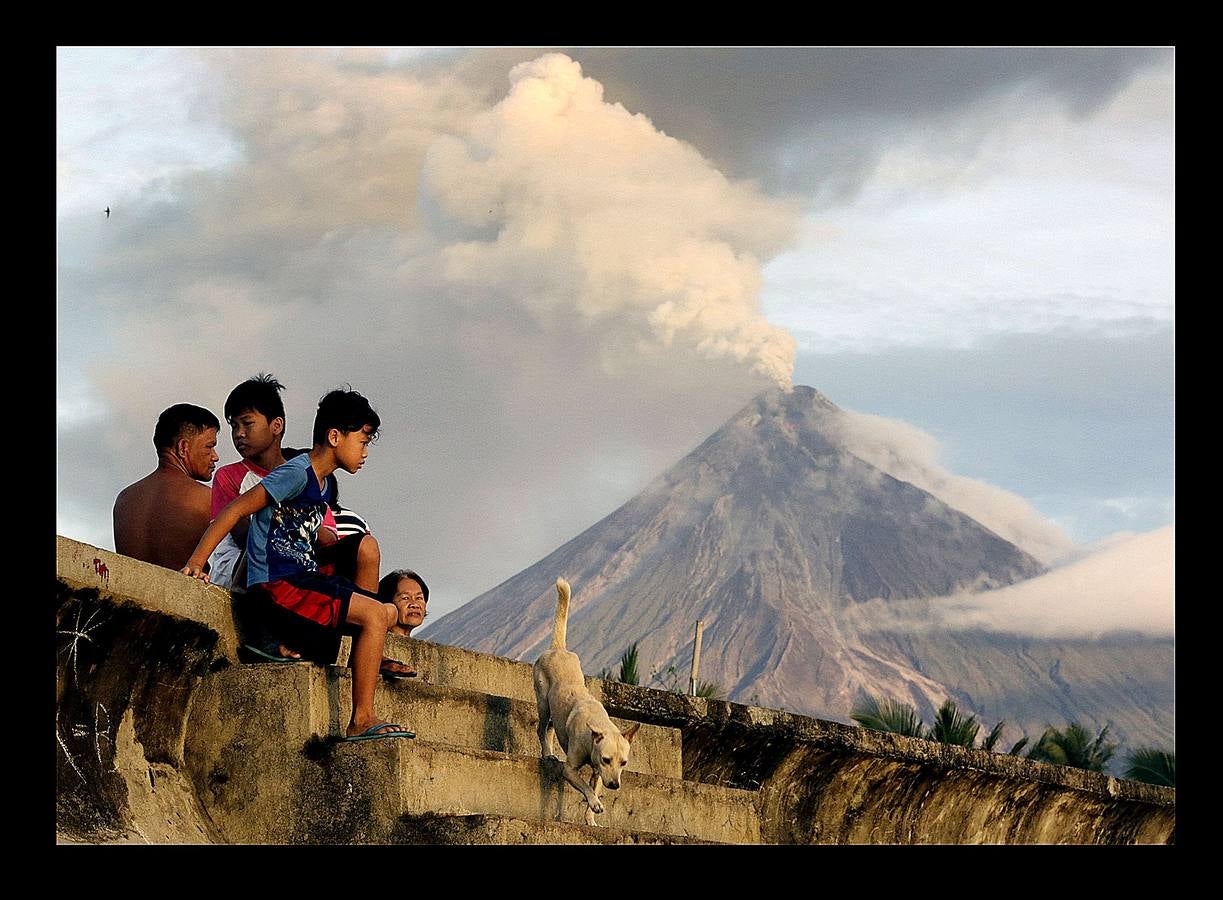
x=244 y=505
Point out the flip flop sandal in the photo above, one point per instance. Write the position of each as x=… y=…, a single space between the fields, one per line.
x=392 y=675
x=370 y=734
x=264 y=656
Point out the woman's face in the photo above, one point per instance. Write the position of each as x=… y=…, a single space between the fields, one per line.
x=410 y=601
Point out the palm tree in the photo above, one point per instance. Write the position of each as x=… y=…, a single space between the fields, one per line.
x=627 y=673
x=950 y=727
x=628 y=666
x=1073 y=746
x=1151 y=765
x=887 y=715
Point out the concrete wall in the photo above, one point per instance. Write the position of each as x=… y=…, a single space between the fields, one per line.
x=162 y=736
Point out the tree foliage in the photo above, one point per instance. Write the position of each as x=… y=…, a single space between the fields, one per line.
x=628 y=666
x=1074 y=746
x=887 y=715
x=1152 y=765
x=951 y=727
x=668 y=679
x=991 y=739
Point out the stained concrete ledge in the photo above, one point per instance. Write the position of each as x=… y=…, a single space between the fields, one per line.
x=825 y=782
x=485 y=829
x=485 y=721
x=161 y=738
x=125 y=580
x=425 y=777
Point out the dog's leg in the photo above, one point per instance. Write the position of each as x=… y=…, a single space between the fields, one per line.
x=596 y=785
x=593 y=804
x=545 y=736
x=544 y=727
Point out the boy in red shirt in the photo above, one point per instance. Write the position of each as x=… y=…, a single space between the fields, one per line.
x=256 y=417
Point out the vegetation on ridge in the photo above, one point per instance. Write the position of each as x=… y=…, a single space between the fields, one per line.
x=667 y=680
x=1152 y=765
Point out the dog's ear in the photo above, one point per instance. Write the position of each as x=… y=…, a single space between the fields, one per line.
x=596 y=736
x=628 y=735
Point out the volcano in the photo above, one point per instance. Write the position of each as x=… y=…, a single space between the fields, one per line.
x=771 y=533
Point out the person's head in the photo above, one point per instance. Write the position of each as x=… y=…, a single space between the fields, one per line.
x=348 y=424
x=188 y=434
x=409 y=593
x=256 y=415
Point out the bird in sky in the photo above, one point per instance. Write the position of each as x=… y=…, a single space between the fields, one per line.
x=108 y=212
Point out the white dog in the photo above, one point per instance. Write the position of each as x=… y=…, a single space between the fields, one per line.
x=587 y=735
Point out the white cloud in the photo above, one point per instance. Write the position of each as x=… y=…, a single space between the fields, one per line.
x=124 y=120
x=1050 y=222
x=1126 y=585
x=1123 y=584
x=910 y=454
x=572 y=205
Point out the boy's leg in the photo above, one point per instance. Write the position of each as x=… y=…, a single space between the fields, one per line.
x=256 y=614
x=356 y=557
x=373 y=619
x=369 y=558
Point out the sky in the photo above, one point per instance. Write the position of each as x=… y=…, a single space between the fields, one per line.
x=554 y=271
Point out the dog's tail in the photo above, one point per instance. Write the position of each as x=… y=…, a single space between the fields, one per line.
x=562 y=614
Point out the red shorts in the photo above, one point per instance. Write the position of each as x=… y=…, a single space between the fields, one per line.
x=323 y=602
x=310 y=609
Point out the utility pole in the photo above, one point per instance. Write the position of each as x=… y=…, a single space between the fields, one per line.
x=696 y=658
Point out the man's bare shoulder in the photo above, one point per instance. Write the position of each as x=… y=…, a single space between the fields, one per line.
x=137 y=490
x=164 y=487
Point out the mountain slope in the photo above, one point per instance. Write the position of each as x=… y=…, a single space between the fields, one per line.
x=770 y=532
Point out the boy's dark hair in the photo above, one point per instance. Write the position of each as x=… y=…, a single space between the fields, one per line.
x=388 y=587
x=261 y=393
x=346 y=410
x=181 y=420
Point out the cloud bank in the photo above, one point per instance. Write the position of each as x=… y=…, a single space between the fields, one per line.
x=1126 y=585
x=821 y=121
x=910 y=454
x=1122 y=585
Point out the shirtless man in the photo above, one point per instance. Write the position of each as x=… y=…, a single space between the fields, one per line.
x=160 y=518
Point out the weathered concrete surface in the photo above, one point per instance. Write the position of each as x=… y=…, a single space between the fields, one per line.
x=124 y=676
x=831 y=783
x=446 y=780
x=476 y=829
x=248 y=721
x=150 y=587
x=458 y=668
x=161 y=739
x=249 y=726
x=483 y=721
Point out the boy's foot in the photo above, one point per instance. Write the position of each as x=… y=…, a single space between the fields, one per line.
x=270 y=652
x=394 y=670
x=377 y=731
